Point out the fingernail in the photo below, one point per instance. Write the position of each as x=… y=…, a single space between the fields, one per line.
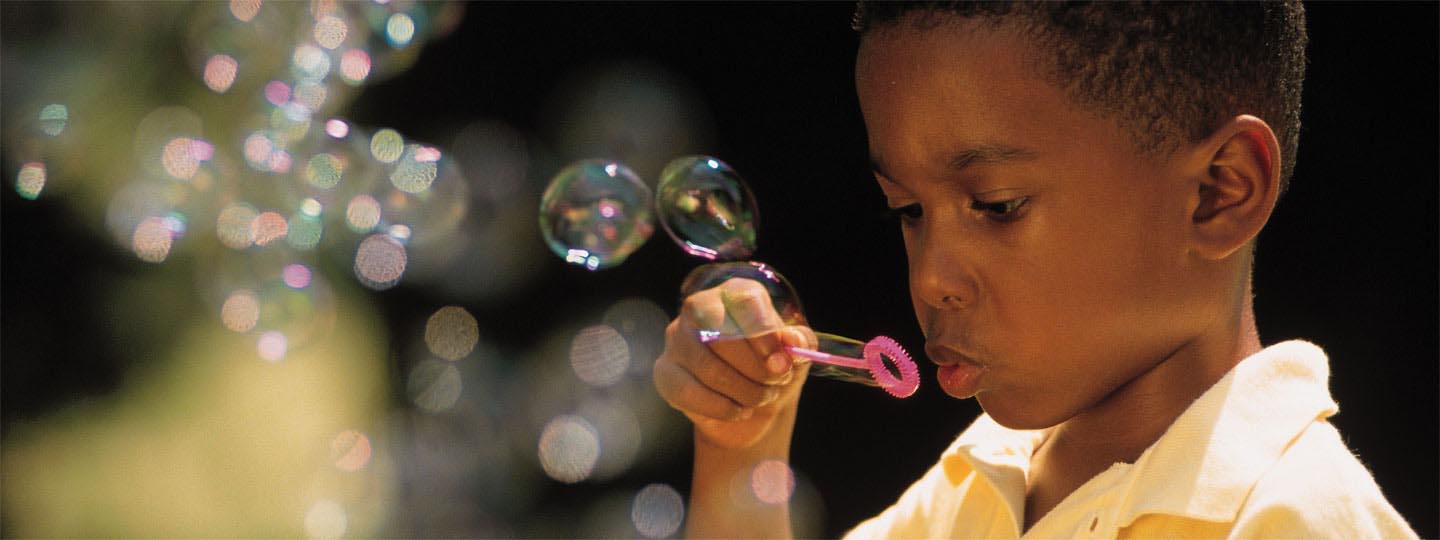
x=777 y=362
x=769 y=396
x=745 y=414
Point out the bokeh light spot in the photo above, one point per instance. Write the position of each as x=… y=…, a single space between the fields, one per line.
x=658 y=511
x=387 y=145
x=451 y=333
x=53 y=118
x=311 y=62
x=380 y=261
x=772 y=481
x=152 y=239
x=309 y=96
x=272 y=346
x=220 y=72
x=324 y=170
x=354 y=66
x=337 y=128
x=244 y=10
x=399 y=30
x=434 y=386
x=277 y=93
x=599 y=355
x=296 y=276
x=363 y=213
x=416 y=169
x=30 y=180
x=400 y=232
x=330 y=31
x=268 y=227
x=311 y=207
x=240 y=311
x=350 y=451
x=326 y=520
x=233 y=226
x=182 y=156
x=569 y=448
x=305 y=229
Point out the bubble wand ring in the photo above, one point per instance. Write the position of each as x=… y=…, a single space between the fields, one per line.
x=875 y=352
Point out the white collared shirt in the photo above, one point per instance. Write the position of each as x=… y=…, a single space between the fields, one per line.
x=1253 y=457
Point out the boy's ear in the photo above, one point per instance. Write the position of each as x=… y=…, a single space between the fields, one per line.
x=1238 y=188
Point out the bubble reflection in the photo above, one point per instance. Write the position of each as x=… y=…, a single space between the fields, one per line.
x=569 y=448
x=451 y=333
x=658 y=511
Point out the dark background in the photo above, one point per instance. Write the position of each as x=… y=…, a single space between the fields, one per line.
x=1348 y=260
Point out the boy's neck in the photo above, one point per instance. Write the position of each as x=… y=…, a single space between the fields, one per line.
x=1122 y=426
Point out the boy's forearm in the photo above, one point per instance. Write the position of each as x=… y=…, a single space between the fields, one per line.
x=722 y=503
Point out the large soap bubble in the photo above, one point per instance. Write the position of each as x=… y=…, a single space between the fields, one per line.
x=707 y=208
x=596 y=213
x=782 y=294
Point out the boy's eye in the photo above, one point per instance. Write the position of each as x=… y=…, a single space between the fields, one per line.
x=1000 y=210
x=909 y=211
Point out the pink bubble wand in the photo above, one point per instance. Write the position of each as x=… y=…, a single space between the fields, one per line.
x=876 y=351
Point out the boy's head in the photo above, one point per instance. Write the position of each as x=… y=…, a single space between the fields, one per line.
x=1079 y=186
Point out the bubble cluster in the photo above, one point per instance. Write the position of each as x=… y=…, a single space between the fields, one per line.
x=599 y=355
x=451 y=333
x=658 y=511
x=596 y=213
x=707 y=208
x=569 y=448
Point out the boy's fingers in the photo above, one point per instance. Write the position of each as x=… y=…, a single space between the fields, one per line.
x=748 y=305
x=720 y=376
x=683 y=392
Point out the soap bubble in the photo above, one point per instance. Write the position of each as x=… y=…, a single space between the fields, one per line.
x=596 y=213
x=782 y=294
x=707 y=208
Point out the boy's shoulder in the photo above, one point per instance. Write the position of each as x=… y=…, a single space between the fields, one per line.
x=1318 y=488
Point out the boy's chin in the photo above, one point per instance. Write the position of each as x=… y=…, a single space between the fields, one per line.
x=1020 y=414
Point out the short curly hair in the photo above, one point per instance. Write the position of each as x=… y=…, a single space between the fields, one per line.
x=1169 y=72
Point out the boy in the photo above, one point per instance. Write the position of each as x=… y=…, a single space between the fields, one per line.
x=1080 y=188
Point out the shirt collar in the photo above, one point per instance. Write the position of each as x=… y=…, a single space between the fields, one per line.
x=1205 y=464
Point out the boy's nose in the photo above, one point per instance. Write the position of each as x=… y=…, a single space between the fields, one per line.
x=941 y=276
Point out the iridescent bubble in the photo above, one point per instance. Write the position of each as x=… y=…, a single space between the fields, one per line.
x=272 y=346
x=569 y=448
x=325 y=520
x=416 y=168
x=379 y=262
x=434 y=386
x=772 y=481
x=30 y=180
x=330 y=31
x=296 y=275
x=244 y=10
x=451 y=333
x=782 y=295
x=596 y=213
x=658 y=511
x=387 y=145
x=152 y=239
x=707 y=208
x=599 y=355
x=355 y=66
x=350 y=450
x=220 y=72
x=337 y=128
x=241 y=311
x=268 y=228
x=399 y=29
x=233 y=225
x=53 y=118
x=310 y=62
x=363 y=213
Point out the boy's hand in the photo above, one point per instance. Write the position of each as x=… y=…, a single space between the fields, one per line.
x=732 y=389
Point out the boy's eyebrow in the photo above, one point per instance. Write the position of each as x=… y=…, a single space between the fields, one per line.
x=984 y=154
